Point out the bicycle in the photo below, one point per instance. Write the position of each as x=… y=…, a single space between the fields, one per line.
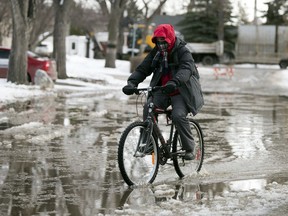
x=139 y=152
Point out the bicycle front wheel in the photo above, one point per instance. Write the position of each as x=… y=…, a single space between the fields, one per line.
x=187 y=167
x=138 y=163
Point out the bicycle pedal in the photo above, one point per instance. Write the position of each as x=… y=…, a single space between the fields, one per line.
x=181 y=153
x=171 y=164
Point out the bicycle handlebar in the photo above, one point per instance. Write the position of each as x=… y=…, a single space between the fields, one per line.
x=155 y=88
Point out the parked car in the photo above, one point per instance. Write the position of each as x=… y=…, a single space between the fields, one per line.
x=283 y=63
x=34 y=62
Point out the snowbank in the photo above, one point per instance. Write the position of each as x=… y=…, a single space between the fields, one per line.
x=91 y=74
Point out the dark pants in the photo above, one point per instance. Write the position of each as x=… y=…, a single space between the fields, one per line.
x=179 y=114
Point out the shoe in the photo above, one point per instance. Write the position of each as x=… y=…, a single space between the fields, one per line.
x=189 y=155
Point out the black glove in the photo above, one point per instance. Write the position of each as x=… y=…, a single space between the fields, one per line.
x=170 y=87
x=129 y=89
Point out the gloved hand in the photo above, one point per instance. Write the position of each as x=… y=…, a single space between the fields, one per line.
x=170 y=87
x=129 y=89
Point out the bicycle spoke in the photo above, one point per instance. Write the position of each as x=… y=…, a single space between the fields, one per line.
x=138 y=163
x=188 y=167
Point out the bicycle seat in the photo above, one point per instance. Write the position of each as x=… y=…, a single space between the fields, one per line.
x=163 y=111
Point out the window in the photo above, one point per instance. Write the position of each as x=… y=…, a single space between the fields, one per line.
x=73 y=46
x=4 y=54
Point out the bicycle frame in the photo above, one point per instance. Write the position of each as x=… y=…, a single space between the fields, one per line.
x=140 y=165
x=152 y=124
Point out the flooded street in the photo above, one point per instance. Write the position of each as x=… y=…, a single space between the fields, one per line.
x=59 y=157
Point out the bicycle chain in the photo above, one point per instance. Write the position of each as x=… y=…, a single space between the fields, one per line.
x=162 y=158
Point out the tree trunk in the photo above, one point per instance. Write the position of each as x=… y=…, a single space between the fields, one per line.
x=61 y=25
x=112 y=42
x=21 y=29
x=113 y=28
x=120 y=38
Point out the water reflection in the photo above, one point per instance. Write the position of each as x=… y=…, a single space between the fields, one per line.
x=250 y=125
x=138 y=199
x=186 y=192
x=37 y=110
x=62 y=159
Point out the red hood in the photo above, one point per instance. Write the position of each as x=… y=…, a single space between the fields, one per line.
x=166 y=31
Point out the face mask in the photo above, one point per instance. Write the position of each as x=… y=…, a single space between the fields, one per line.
x=162 y=45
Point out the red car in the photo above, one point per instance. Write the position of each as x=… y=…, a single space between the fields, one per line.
x=34 y=63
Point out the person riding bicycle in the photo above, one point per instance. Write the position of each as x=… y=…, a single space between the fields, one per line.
x=173 y=67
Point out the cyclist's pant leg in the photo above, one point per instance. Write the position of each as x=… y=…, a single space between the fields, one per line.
x=160 y=100
x=179 y=114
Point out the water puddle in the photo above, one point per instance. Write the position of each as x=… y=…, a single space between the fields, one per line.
x=62 y=156
x=184 y=193
x=36 y=110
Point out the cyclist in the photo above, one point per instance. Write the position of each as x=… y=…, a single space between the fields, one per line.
x=173 y=67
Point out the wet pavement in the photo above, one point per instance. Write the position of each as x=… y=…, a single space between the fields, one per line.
x=59 y=155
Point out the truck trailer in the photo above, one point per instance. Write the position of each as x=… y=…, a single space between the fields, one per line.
x=261 y=44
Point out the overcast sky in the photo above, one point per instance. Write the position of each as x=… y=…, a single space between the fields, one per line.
x=250 y=4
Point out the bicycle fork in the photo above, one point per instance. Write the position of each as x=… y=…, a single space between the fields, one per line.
x=144 y=141
x=145 y=134
x=168 y=145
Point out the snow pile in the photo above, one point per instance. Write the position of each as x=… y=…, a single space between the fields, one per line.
x=79 y=67
x=86 y=74
x=11 y=92
x=280 y=78
x=38 y=133
x=91 y=74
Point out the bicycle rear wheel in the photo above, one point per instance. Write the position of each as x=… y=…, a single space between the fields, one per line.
x=186 y=167
x=138 y=164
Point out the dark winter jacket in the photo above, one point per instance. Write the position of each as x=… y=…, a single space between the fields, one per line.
x=183 y=70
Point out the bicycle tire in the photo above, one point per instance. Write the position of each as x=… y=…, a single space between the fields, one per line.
x=186 y=167
x=137 y=167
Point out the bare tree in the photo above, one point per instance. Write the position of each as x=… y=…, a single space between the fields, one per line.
x=43 y=24
x=104 y=7
x=23 y=13
x=62 y=8
x=5 y=20
x=85 y=20
x=117 y=7
x=148 y=18
x=116 y=10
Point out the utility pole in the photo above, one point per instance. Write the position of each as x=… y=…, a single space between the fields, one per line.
x=255 y=12
x=256 y=28
x=221 y=25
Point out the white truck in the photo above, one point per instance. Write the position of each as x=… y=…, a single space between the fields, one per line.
x=262 y=44
x=206 y=53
